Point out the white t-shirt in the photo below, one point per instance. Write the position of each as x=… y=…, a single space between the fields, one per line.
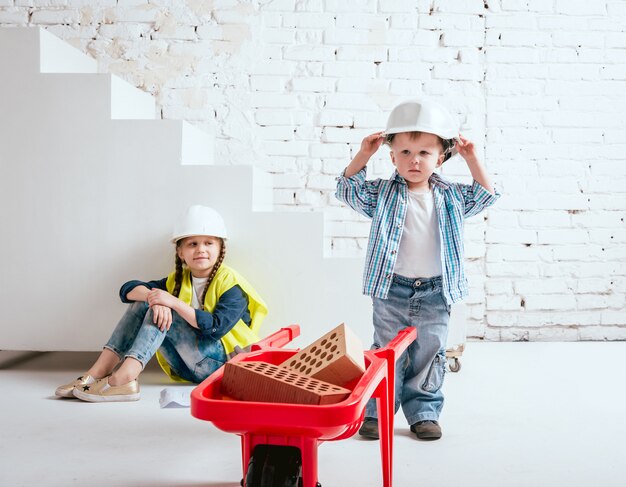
x=197 y=286
x=419 y=254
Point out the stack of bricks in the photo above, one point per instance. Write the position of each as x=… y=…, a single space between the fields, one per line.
x=336 y=357
x=260 y=381
x=315 y=375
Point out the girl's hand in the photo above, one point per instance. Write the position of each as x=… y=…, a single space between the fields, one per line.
x=162 y=317
x=371 y=144
x=163 y=298
x=466 y=149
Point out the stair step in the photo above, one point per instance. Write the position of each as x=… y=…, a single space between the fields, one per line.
x=129 y=102
x=90 y=184
x=35 y=50
x=197 y=146
x=57 y=56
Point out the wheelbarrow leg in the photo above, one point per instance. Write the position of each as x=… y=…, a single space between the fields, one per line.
x=385 y=429
x=391 y=411
x=246 y=452
x=385 y=403
x=309 y=461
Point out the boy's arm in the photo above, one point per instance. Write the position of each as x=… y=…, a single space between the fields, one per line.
x=357 y=164
x=352 y=188
x=481 y=193
x=479 y=173
x=476 y=198
x=357 y=193
x=467 y=151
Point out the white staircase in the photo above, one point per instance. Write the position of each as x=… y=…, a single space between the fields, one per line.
x=90 y=185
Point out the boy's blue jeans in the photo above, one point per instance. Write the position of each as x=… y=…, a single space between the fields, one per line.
x=190 y=355
x=421 y=368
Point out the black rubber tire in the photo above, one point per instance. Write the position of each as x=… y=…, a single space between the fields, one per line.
x=274 y=466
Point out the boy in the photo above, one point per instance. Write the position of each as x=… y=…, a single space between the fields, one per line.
x=414 y=264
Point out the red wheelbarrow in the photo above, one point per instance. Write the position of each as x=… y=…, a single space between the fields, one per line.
x=301 y=428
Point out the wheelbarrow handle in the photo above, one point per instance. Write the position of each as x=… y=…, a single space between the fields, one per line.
x=399 y=344
x=278 y=338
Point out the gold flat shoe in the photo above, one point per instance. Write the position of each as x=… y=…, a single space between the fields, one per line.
x=67 y=390
x=102 y=391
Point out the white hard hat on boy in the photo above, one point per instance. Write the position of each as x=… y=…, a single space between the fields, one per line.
x=199 y=220
x=422 y=116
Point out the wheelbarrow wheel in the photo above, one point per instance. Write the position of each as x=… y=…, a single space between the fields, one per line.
x=274 y=466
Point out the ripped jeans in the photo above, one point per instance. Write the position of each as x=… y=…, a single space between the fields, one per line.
x=420 y=369
x=191 y=356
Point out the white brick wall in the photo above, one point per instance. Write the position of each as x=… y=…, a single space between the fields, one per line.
x=293 y=85
x=553 y=95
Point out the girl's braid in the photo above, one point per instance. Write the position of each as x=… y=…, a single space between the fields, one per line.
x=217 y=265
x=178 y=277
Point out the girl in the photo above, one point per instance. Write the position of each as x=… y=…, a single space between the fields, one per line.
x=194 y=320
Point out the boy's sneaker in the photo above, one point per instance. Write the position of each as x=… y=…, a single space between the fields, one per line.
x=369 y=429
x=427 y=430
x=67 y=390
x=101 y=391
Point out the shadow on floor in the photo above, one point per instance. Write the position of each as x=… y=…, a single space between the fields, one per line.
x=32 y=361
x=156 y=483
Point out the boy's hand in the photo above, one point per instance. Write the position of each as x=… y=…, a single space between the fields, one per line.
x=466 y=149
x=371 y=144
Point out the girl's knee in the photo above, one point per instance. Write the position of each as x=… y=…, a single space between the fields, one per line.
x=206 y=367
x=148 y=316
x=179 y=323
x=138 y=307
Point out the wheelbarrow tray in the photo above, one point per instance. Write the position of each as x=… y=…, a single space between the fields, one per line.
x=325 y=422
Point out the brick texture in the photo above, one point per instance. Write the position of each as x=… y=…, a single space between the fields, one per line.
x=292 y=86
x=263 y=382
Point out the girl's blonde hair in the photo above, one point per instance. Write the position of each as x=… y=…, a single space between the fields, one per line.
x=178 y=277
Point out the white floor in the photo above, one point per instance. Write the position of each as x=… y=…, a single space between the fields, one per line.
x=517 y=414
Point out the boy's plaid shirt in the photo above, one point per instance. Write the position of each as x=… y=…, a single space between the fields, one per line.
x=384 y=200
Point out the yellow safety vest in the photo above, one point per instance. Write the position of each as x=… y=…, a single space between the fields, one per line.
x=241 y=336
